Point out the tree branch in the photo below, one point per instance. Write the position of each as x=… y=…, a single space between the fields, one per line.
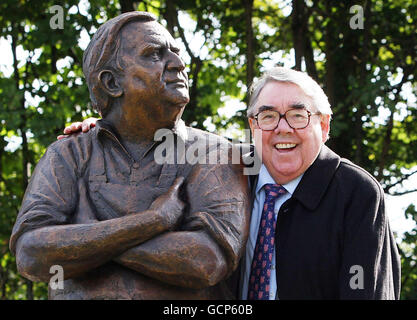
x=402 y=193
x=182 y=36
x=404 y=177
x=387 y=139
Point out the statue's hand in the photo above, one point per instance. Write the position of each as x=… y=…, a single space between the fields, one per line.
x=169 y=206
x=78 y=126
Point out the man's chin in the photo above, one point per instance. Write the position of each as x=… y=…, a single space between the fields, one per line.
x=179 y=97
x=170 y=124
x=183 y=101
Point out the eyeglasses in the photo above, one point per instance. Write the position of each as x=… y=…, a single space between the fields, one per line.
x=268 y=120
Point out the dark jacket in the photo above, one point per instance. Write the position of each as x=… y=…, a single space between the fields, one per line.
x=333 y=239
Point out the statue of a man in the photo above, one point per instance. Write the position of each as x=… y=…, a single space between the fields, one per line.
x=99 y=205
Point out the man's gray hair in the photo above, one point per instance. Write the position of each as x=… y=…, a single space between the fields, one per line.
x=310 y=87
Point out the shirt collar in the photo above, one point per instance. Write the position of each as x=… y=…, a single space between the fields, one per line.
x=265 y=178
x=105 y=128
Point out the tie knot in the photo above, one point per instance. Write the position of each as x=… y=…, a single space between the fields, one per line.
x=274 y=190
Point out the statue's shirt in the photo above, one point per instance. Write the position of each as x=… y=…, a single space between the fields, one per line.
x=91 y=177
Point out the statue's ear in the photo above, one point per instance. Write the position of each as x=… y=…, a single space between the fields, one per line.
x=110 y=83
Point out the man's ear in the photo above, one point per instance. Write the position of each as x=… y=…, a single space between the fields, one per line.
x=325 y=127
x=110 y=83
x=252 y=122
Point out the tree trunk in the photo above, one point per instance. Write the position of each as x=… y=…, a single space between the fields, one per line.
x=127 y=5
x=250 y=57
x=297 y=26
x=362 y=106
x=330 y=64
x=385 y=147
x=170 y=15
x=301 y=40
x=309 y=59
x=250 y=54
x=197 y=64
x=25 y=150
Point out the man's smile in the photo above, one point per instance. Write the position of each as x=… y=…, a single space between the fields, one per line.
x=285 y=147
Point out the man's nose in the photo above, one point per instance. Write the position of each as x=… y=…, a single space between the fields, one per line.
x=175 y=62
x=283 y=126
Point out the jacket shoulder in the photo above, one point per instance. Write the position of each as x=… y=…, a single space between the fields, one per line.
x=358 y=178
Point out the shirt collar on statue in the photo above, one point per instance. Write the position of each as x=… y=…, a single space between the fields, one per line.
x=104 y=127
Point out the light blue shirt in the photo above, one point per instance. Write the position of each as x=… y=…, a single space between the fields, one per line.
x=264 y=178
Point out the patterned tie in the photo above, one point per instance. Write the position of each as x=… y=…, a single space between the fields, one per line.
x=262 y=257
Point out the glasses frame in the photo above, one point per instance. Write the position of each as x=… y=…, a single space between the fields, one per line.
x=309 y=113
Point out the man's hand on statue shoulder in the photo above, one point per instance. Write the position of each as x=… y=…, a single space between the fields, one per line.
x=76 y=127
x=169 y=206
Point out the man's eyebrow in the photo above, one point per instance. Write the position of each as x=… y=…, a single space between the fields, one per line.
x=298 y=105
x=152 y=45
x=265 y=108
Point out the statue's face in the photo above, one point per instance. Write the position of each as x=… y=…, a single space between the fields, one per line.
x=155 y=83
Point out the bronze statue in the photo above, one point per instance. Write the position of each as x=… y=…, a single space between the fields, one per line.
x=120 y=224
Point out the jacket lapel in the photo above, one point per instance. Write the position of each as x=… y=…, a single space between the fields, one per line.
x=253 y=181
x=317 y=178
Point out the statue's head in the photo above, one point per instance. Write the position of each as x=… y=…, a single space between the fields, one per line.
x=133 y=58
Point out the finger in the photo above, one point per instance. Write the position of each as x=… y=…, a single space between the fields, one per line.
x=76 y=126
x=88 y=123
x=62 y=136
x=91 y=122
x=176 y=185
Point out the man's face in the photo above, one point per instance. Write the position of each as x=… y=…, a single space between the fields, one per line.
x=155 y=83
x=287 y=152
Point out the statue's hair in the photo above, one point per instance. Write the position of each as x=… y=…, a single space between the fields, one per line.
x=102 y=53
x=310 y=87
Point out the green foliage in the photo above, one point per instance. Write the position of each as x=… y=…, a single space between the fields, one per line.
x=409 y=259
x=365 y=73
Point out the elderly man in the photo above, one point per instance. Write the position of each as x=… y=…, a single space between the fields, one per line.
x=120 y=224
x=318 y=227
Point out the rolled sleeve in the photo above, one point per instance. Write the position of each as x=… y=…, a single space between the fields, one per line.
x=50 y=197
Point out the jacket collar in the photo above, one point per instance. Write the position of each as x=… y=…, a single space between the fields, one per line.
x=317 y=178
